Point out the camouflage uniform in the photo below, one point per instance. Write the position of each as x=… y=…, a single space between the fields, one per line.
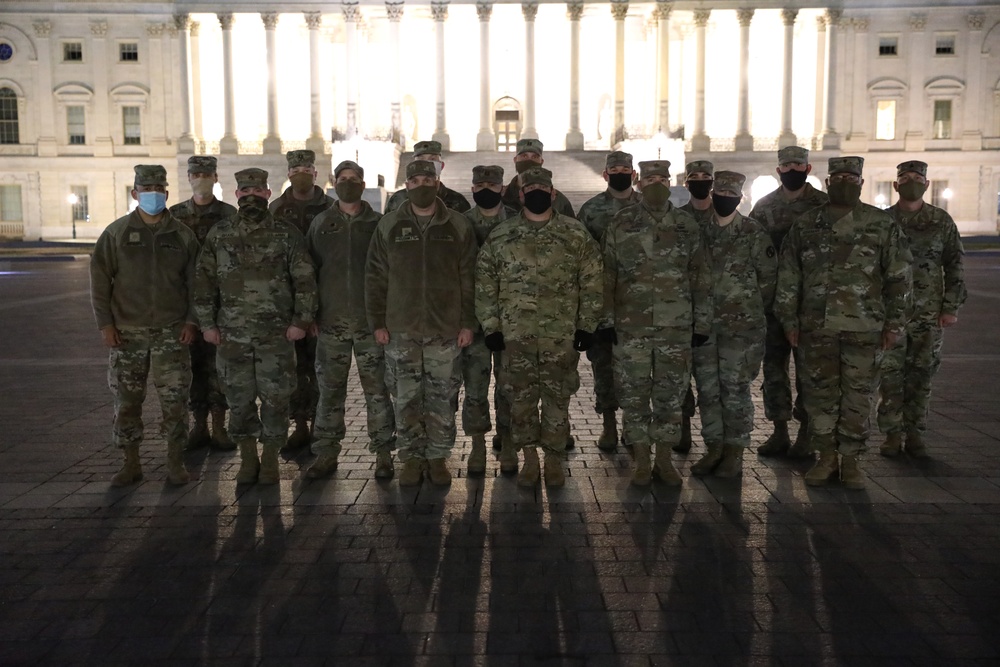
x=561 y=205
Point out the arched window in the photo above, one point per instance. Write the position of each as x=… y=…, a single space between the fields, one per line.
x=9 y=132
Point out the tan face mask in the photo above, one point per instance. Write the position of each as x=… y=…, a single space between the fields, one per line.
x=202 y=186
x=302 y=182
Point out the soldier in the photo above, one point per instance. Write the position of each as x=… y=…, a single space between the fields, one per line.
x=338 y=241
x=298 y=206
x=255 y=296
x=938 y=292
x=744 y=268
x=141 y=276
x=431 y=152
x=596 y=215
x=419 y=300
x=657 y=306
x=528 y=156
x=489 y=211
x=775 y=212
x=843 y=281
x=538 y=297
x=200 y=213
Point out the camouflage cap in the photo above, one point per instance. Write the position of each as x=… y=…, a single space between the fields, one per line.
x=536 y=176
x=487 y=174
x=420 y=168
x=729 y=183
x=150 y=174
x=529 y=146
x=251 y=178
x=851 y=164
x=300 y=158
x=202 y=164
x=349 y=164
x=916 y=166
x=793 y=155
x=699 y=165
x=618 y=159
x=427 y=148
x=654 y=168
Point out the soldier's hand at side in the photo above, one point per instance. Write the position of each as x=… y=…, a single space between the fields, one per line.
x=188 y=334
x=889 y=339
x=382 y=336
x=494 y=342
x=792 y=337
x=582 y=340
x=295 y=333
x=465 y=338
x=313 y=330
x=112 y=337
x=213 y=337
x=947 y=319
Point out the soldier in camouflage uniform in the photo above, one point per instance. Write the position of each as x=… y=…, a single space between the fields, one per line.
x=596 y=215
x=200 y=213
x=146 y=319
x=538 y=297
x=419 y=299
x=298 y=206
x=489 y=211
x=528 y=156
x=775 y=212
x=843 y=283
x=338 y=241
x=255 y=295
x=431 y=152
x=938 y=292
x=657 y=305
x=744 y=269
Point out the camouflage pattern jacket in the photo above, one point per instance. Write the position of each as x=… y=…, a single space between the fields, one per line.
x=300 y=213
x=539 y=279
x=483 y=225
x=656 y=274
x=775 y=213
x=597 y=212
x=451 y=199
x=201 y=218
x=561 y=205
x=142 y=276
x=850 y=274
x=338 y=245
x=701 y=215
x=938 y=274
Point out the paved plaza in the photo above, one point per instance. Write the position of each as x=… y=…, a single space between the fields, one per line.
x=353 y=571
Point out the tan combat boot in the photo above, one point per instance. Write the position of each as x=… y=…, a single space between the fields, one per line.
x=778 y=443
x=323 y=466
x=301 y=436
x=413 y=472
x=609 y=434
x=731 y=465
x=131 y=472
x=530 y=471
x=438 y=473
x=554 y=474
x=176 y=474
x=706 y=464
x=664 y=467
x=199 y=436
x=476 y=465
x=684 y=446
x=642 y=471
x=508 y=457
x=851 y=475
x=220 y=437
x=269 y=472
x=915 y=446
x=824 y=468
x=383 y=465
x=249 y=463
x=893 y=444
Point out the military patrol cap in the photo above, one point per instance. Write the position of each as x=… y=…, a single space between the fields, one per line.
x=202 y=164
x=420 y=168
x=427 y=148
x=349 y=164
x=916 y=166
x=150 y=174
x=729 y=183
x=536 y=176
x=850 y=164
x=487 y=174
x=300 y=158
x=699 y=165
x=654 y=168
x=529 y=146
x=793 y=155
x=618 y=159
x=251 y=178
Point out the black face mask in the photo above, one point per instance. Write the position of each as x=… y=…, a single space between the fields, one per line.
x=252 y=207
x=793 y=180
x=486 y=198
x=620 y=182
x=538 y=201
x=699 y=189
x=725 y=205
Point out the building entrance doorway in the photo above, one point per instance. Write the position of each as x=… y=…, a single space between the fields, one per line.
x=506 y=124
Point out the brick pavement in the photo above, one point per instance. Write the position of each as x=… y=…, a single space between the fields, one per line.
x=350 y=571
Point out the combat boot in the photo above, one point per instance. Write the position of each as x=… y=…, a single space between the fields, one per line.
x=915 y=446
x=269 y=472
x=893 y=444
x=554 y=474
x=413 y=472
x=476 y=465
x=570 y=441
x=851 y=475
x=438 y=473
x=322 y=467
x=684 y=446
x=530 y=471
x=508 y=457
x=609 y=434
x=642 y=472
x=301 y=436
x=176 y=474
x=497 y=442
x=199 y=436
x=664 y=467
x=383 y=465
x=249 y=463
x=706 y=464
x=823 y=469
x=778 y=443
x=802 y=449
x=220 y=437
x=132 y=471
x=731 y=465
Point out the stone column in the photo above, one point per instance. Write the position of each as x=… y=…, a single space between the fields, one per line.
x=154 y=120
x=352 y=14
x=395 y=13
x=315 y=142
x=700 y=141
x=229 y=144
x=485 y=141
x=47 y=141
x=529 y=10
x=662 y=15
x=185 y=143
x=820 y=69
x=272 y=142
x=831 y=140
x=744 y=140
x=862 y=115
x=100 y=118
x=915 y=137
x=574 y=137
x=787 y=137
x=439 y=12
x=971 y=104
x=619 y=10
x=197 y=130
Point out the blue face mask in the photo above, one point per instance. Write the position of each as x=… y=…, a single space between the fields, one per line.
x=153 y=203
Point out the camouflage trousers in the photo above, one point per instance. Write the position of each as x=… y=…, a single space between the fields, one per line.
x=257 y=367
x=539 y=377
x=333 y=365
x=477 y=360
x=906 y=373
x=602 y=357
x=302 y=404
x=145 y=351
x=777 y=381
x=654 y=373
x=838 y=380
x=724 y=368
x=206 y=390
x=427 y=375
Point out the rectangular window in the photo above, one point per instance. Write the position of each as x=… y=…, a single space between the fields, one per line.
x=81 y=206
x=128 y=52
x=942 y=119
x=883 y=194
x=940 y=194
x=887 y=46
x=944 y=45
x=72 y=52
x=885 y=120
x=10 y=203
x=76 y=125
x=132 y=126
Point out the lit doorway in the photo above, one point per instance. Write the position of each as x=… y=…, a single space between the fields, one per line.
x=507 y=124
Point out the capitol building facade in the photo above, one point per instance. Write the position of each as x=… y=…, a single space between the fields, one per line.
x=89 y=89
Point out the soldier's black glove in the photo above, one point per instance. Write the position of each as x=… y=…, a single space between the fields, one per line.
x=697 y=339
x=582 y=340
x=494 y=342
x=608 y=336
